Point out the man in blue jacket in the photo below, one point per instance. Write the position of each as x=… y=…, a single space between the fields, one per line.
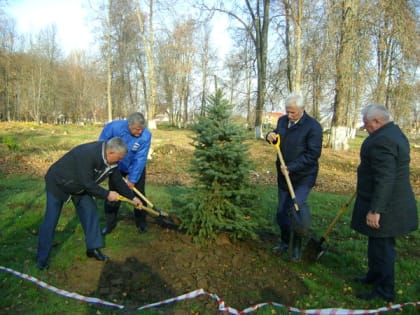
x=77 y=176
x=301 y=145
x=385 y=206
x=138 y=138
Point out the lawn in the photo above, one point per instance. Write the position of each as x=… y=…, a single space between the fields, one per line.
x=168 y=264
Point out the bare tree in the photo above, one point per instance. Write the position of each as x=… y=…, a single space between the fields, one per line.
x=395 y=41
x=293 y=12
x=346 y=39
x=147 y=36
x=256 y=25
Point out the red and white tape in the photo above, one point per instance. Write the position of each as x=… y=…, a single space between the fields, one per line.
x=325 y=311
x=220 y=302
x=60 y=291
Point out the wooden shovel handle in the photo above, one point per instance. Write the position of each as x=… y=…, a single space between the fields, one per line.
x=141 y=195
x=139 y=206
x=286 y=174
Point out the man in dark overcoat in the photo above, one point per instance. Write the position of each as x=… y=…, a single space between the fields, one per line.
x=385 y=206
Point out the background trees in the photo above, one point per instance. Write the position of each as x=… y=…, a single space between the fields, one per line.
x=162 y=58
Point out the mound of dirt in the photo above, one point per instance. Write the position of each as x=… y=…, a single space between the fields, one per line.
x=241 y=273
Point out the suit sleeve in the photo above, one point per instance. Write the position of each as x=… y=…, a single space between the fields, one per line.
x=311 y=152
x=86 y=176
x=120 y=185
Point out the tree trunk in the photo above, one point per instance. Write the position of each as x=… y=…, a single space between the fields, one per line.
x=344 y=70
x=108 y=63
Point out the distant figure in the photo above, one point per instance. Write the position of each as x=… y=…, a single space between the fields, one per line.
x=77 y=176
x=138 y=138
x=385 y=206
x=301 y=145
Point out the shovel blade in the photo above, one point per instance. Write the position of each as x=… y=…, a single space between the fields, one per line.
x=314 y=249
x=171 y=222
x=300 y=220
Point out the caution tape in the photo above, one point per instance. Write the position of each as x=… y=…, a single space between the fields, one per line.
x=325 y=311
x=220 y=302
x=65 y=293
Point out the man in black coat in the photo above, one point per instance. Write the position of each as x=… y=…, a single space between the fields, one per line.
x=77 y=176
x=300 y=145
x=385 y=206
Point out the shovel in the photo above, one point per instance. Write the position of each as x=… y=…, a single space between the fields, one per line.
x=162 y=217
x=299 y=216
x=314 y=248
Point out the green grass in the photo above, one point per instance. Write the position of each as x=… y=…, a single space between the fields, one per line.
x=23 y=202
x=328 y=281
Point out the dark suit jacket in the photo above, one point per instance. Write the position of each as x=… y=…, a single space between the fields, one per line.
x=81 y=170
x=301 y=147
x=383 y=184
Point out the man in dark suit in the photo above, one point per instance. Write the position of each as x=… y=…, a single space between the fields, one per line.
x=77 y=176
x=385 y=206
x=301 y=145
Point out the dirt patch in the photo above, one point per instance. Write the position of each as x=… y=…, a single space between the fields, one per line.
x=241 y=273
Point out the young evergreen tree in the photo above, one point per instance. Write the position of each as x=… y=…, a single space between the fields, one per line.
x=221 y=198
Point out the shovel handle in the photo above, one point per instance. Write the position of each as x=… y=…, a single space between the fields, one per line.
x=141 y=196
x=340 y=213
x=140 y=206
x=286 y=174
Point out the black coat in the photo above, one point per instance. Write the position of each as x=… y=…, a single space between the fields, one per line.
x=301 y=147
x=81 y=170
x=383 y=184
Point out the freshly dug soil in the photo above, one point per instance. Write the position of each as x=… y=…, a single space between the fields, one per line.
x=241 y=273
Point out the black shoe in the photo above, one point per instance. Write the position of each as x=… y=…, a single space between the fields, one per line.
x=362 y=280
x=374 y=295
x=42 y=265
x=106 y=231
x=281 y=248
x=97 y=254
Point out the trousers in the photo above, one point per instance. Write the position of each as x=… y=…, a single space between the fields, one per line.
x=381 y=261
x=88 y=215
x=285 y=203
x=113 y=207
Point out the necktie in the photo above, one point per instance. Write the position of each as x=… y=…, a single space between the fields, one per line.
x=291 y=124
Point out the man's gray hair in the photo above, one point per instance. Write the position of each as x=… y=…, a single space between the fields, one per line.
x=294 y=99
x=136 y=119
x=376 y=111
x=116 y=144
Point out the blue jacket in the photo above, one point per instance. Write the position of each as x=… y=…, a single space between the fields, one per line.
x=301 y=147
x=135 y=160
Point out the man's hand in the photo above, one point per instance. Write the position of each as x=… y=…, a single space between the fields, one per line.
x=138 y=202
x=130 y=184
x=272 y=137
x=284 y=170
x=113 y=196
x=372 y=220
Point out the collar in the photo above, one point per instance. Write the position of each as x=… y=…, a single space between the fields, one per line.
x=104 y=154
